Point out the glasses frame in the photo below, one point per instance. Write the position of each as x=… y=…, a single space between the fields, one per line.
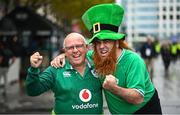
x=77 y=46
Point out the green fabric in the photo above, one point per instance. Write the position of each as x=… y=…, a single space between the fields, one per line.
x=66 y=84
x=178 y=46
x=104 y=14
x=158 y=48
x=174 y=49
x=131 y=73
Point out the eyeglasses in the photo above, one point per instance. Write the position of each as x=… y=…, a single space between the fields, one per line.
x=77 y=46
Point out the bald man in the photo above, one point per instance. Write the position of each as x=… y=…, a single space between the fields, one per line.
x=77 y=90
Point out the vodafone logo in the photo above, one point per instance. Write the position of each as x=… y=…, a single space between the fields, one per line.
x=85 y=95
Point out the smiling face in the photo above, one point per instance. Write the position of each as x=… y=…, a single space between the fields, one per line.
x=75 y=49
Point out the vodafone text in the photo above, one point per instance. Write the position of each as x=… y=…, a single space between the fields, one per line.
x=85 y=106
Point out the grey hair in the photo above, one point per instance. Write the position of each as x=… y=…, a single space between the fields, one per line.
x=77 y=34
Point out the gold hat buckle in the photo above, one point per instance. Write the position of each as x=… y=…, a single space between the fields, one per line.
x=96 y=27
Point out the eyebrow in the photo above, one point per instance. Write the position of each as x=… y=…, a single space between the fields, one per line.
x=76 y=44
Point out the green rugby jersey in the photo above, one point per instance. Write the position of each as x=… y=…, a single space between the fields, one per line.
x=131 y=72
x=73 y=93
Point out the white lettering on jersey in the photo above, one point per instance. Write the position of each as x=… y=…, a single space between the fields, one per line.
x=66 y=74
x=85 y=106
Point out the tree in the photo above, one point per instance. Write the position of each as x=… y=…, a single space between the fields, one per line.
x=67 y=10
x=64 y=11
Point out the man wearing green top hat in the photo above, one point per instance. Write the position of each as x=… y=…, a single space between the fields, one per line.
x=127 y=84
x=123 y=73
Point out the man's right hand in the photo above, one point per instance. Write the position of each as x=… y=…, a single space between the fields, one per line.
x=36 y=60
x=58 y=61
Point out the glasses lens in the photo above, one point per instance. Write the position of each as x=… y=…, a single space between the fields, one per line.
x=78 y=46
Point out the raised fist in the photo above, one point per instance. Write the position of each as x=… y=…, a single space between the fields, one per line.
x=110 y=82
x=36 y=60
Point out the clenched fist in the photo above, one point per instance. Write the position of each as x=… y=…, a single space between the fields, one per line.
x=36 y=60
x=110 y=82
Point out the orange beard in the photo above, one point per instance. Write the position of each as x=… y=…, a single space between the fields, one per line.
x=105 y=66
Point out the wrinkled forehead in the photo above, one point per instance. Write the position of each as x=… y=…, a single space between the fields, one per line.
x=74 y=39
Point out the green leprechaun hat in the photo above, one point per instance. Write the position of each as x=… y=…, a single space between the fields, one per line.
x=103 y=21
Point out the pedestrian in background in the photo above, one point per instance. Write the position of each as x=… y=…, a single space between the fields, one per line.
x=148 y=53
x=178 y=49
x=157 y=46
x=19 y=51
x=7 y=58
x=174 y=51
x=166 y=55
x=76 y=88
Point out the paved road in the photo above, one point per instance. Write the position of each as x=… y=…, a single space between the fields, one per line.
x=167 y=86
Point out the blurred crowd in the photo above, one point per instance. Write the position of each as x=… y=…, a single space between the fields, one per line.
x=168 y=50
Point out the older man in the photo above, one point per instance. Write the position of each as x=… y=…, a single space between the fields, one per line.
x=76 y=89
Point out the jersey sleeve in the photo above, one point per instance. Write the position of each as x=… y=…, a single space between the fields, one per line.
x=37 y=83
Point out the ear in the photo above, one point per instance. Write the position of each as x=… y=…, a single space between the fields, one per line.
x=117 y=44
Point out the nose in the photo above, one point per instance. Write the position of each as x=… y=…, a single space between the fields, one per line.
x=101 y=44
x=74 y=49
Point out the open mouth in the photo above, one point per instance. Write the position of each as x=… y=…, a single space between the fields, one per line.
x=76 y=56
x=103 y=53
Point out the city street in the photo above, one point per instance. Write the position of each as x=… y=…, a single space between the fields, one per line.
x=28 y=26
x=167 y=86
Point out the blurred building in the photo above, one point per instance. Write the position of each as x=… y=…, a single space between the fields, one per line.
x=34 y=33
x=158 y=18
